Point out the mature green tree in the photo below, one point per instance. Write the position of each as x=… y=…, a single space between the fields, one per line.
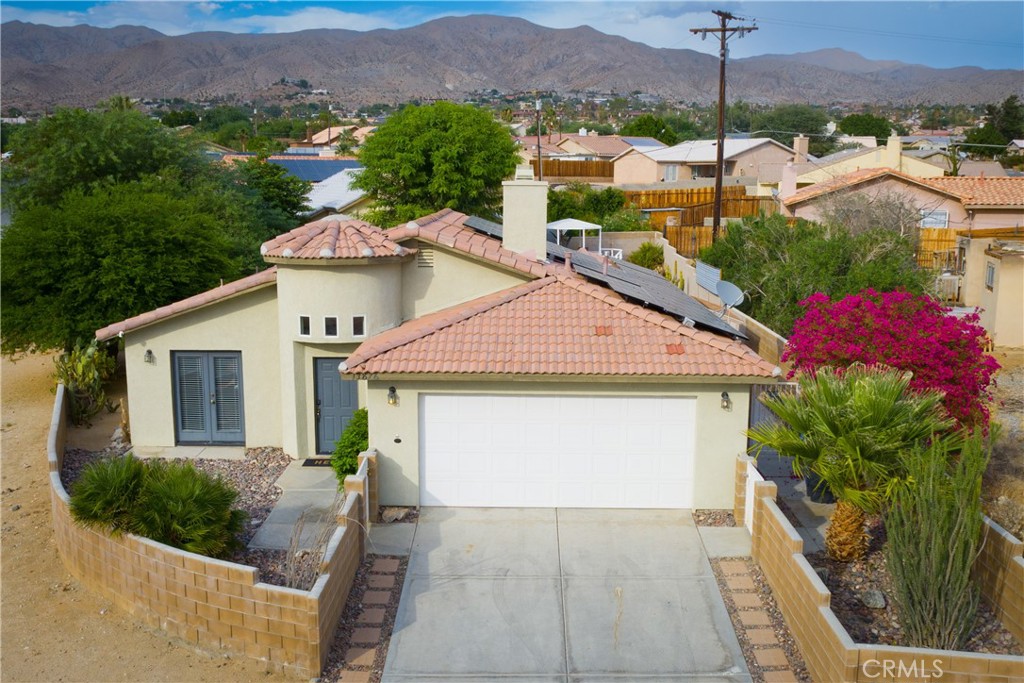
x=779 y=265
x=279 y=190
x=787 y=120
x=581 y=201
x=183 y=117
x=423 y=159
x=877 y=127
x=78 y=149
x=1008 y=118
x=93 y=258
x=651 y=126
x=985 y=141
x=685 y=128
x=212 y=119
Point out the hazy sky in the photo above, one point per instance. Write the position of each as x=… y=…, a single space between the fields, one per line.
x=939 y=34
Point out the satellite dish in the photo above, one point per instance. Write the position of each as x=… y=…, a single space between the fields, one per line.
x=730 y=294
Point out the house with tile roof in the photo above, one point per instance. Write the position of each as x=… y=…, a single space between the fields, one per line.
x=954 y=203
x=990 y=276
x=498 y=369
x=698 y=159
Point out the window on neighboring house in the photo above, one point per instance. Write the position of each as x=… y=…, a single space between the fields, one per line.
x=303 y=325
x=359 y=326
x=330 y=326
x=934 y=218
x=990 y=276
x=671 y=173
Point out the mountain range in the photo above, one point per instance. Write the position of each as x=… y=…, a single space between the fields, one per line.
x=44 y=66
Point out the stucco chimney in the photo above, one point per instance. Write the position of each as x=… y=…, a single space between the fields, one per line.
x=524 y=223
x=894 y=153
x=787 y=184
x=800 y=146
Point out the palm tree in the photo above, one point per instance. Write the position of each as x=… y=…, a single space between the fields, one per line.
x=849 y=427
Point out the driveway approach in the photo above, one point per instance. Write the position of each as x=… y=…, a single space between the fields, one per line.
x=560 y=595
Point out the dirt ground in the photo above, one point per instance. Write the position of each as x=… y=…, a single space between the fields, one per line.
x=1003 y=490
x=52 y=628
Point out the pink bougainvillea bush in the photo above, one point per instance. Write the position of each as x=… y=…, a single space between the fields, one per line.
x=905 y=331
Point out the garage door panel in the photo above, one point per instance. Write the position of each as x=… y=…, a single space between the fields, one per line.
x=556 y=451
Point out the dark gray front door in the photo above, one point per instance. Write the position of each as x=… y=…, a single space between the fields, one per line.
x=208 y=397
x=336 y=400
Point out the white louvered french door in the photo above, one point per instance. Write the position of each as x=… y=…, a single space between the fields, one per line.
x=208 y=397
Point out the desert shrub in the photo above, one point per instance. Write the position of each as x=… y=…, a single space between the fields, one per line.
x=934 y=529
x=172 y=503
x=83 y=371
x=901 y=330
x=106 y=492
x=648 y=255
x=354 y=440
x=188 y=509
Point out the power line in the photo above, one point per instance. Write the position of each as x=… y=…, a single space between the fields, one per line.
x=890 y=34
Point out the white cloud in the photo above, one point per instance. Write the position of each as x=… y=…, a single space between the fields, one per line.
x=207 y=8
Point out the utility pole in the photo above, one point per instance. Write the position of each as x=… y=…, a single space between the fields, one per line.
x=540 y=161
x=724 y=32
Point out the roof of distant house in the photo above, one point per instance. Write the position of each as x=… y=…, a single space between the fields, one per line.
x=706 y=151
x=335 y=192
x=982 y=191
x=557 y=325
x=305 y=166
x=971 y=191
x=613 y=145
x=330 y=134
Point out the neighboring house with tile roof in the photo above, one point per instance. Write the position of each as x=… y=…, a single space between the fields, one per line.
x=953 y=203
x=498 y=369
x=605 y=147
x=698 y=159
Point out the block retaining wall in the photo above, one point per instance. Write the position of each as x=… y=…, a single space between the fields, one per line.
x=832 y=656
x=211 y=604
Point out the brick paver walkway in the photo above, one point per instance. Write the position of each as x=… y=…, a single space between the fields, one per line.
x=371 y=631
x=769 y=659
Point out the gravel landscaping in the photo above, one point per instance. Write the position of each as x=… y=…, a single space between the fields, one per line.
x=713 y=518
x=850 y=581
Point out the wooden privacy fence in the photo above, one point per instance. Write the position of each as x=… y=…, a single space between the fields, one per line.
x=562 y=168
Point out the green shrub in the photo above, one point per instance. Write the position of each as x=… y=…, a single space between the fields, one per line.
x=648 y=255
x=183 y=507
x=83 y=371
x=172 y=503
x=354 y=440
x=934 y=529
x=106 y=493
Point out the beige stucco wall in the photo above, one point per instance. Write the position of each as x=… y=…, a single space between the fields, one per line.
x=372 y=290
x=454 y=278
x=635 y=167
x=394 y=430
x=244 y=323
x=1003 y=304
x=888 y=156
x=746 y=163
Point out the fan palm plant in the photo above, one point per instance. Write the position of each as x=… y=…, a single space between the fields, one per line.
x=849 y=427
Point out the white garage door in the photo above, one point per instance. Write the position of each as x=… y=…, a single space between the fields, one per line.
x=556 y=451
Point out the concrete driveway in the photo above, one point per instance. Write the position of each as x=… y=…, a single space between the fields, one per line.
x=560 y=595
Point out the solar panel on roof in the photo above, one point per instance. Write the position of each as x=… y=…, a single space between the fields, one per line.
x=315 y=170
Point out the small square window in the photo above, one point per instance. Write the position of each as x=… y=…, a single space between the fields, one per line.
x=990 y=276
x=304 y=325
x=359 y=326
x=330 y=326
x=934 y=218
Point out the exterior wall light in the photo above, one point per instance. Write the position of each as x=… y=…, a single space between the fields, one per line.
x=149 y=357
x=726 y=401
x=392 y=396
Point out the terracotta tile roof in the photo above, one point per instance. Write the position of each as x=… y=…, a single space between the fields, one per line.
x=333 y=238
x=969 y=190
x=603 y=145
x=557 y=325
x=226 y=291
x=983 y=191
x=848 y=180
x=447 y=228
